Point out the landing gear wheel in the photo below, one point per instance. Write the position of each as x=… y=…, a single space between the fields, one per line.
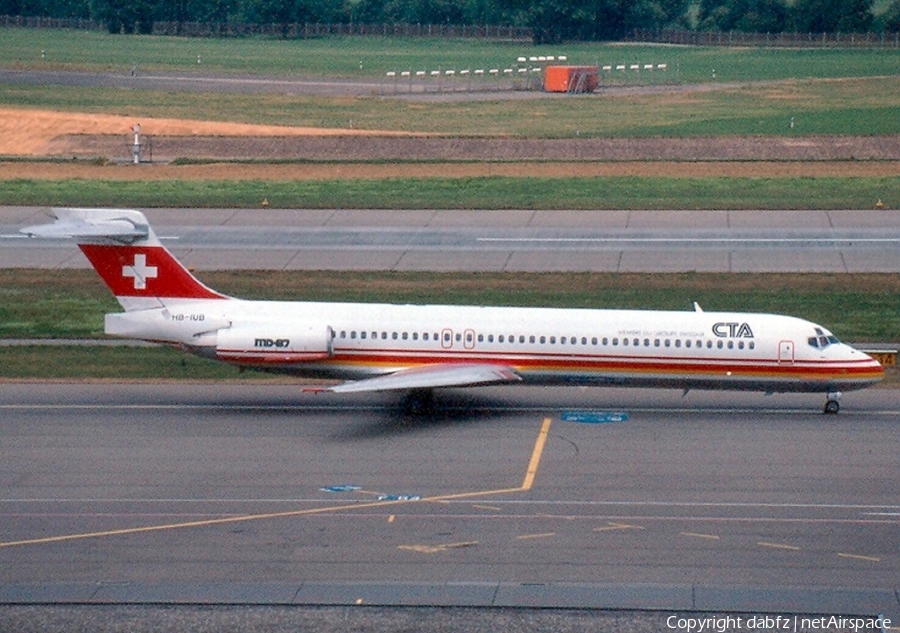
x=832 y=402
x=419 y=402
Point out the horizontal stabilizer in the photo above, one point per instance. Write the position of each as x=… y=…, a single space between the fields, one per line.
x=116 y=224
x=432 y=376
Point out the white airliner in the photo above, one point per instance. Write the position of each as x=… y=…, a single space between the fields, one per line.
x=418 y=348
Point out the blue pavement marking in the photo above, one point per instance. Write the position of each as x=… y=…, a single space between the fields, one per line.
x=341 y=488
x=399 y=497
x=594 y=417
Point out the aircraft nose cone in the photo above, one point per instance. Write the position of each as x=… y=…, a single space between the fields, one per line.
x=875 y=367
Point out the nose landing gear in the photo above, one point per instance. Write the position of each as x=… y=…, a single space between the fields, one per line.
x=832 y=403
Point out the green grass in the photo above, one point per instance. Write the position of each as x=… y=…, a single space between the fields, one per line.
x=865 y=101
x=861 y=106
x=467 y=193
x=67 y=304
x=91 y=362
x=53 y=303
x=341 y=56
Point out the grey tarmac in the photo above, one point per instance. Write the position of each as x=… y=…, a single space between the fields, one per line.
x=262 y=495
x=835 y=241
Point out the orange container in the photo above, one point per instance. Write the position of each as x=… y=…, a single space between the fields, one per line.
x=571 y=79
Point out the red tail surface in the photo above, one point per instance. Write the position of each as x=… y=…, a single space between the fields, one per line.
x=145 y=271
x=126 y=253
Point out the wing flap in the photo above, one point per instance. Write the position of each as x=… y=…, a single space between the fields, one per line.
x=432 y=376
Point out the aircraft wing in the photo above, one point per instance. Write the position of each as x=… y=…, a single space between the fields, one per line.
x=432 y=376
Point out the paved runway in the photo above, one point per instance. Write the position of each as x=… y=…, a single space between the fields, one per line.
x=260 y=494
x=195 y=82
x=613 y=241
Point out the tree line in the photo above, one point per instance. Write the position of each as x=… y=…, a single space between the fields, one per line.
x=550 y=21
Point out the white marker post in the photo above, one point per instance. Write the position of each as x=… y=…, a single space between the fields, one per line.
x=136 y=148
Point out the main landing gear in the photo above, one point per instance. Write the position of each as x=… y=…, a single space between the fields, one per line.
x=419 y=402
x=832 y=403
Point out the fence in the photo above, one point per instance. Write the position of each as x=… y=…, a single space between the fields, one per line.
x=781 y=40
x=308 y=30
x=32 y=22
x=510 y=33
x=292 y=30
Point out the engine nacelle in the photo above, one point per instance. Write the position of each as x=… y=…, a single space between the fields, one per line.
x=273 y=344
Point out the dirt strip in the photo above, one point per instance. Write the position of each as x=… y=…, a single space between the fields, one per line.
x=349 y=170
x=25 y=132
x=163 y=148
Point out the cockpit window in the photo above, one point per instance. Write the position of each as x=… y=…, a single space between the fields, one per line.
x=822 y=340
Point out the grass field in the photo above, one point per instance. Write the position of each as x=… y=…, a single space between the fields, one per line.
x=71 y=304
x=341 y=56
x=465 y=193
x=858 y=307
x=832 y=91
x=867 y=106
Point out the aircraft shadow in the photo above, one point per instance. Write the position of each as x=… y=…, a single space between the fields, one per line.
x=448 y=409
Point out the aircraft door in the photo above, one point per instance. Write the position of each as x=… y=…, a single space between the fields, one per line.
x=447 y=338
x=786 y=352
x=469 y=339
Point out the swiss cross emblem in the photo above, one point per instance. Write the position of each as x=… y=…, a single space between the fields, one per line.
x=140 y=271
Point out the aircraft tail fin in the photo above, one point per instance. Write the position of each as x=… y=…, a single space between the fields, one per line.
x=128 y=255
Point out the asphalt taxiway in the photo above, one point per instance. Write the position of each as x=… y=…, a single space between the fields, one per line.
x=259 y=494
x=509 y=240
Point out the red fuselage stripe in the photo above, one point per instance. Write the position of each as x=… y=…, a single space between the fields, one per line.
x=391 y=359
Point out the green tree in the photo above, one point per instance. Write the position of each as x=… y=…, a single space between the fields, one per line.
x=124 y=16
x=553 y=21
x=833 y=16
x=891 y=19
x=749 y=16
